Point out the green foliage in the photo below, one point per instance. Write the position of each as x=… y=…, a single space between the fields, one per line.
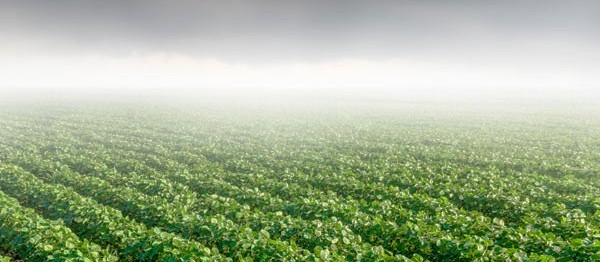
x=219 y=186
x=99 y=223
x=34 y=238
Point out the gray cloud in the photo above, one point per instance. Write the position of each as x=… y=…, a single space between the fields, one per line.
x=260 y=30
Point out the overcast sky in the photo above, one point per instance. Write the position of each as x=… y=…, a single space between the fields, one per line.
x=500 y=45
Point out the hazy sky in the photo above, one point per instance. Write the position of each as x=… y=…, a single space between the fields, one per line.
x=503 y=45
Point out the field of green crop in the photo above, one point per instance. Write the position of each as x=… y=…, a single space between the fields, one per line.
x=143 y=182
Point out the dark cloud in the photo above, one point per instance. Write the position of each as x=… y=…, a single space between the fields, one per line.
x=292 y=30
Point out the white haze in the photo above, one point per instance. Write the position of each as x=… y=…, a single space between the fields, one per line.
x=431 y=48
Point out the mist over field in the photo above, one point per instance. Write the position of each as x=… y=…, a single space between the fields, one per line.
x=326 y=100
x=280 y=130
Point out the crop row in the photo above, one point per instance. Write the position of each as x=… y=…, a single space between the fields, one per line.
x=101 y=224
x=34 y=238
x=396 y=210
x=288 y=229
x=486 y=203
x=435 y=194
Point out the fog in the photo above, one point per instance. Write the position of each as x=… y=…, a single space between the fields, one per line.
x=265 y=50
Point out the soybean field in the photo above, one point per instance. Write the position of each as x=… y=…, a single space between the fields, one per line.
x=127 y=181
